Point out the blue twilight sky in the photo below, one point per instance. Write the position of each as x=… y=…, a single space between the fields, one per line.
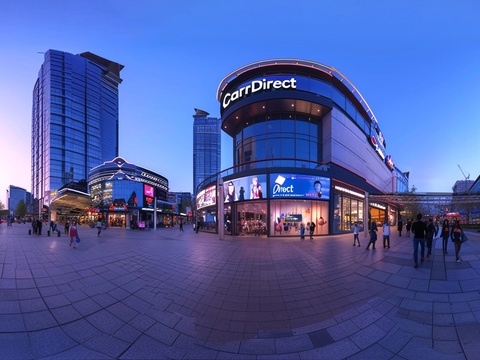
x=417 y=63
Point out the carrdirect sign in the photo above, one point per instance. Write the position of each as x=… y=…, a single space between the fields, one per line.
x=258 y=85
x=299 y=186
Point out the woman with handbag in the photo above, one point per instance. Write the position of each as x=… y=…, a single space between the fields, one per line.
x=73 y=232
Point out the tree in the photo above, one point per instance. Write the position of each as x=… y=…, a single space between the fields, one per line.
x=1 y=205
x=21 y=209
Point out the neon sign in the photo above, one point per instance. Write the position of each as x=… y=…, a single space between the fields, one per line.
x=258 y=85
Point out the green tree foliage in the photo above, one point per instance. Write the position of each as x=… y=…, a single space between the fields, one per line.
x=1 y=205
x=21 y=209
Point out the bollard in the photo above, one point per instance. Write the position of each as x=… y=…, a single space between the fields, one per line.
x=48 y=232
x=58 y=233
x=29 y=231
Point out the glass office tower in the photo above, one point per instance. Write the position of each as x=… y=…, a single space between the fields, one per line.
x=206 y=147
x=74 y=121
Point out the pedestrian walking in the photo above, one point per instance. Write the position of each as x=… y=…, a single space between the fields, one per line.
x=445 y=235
x=356 y=232
x=99 y=227
x=302 y=231
x=67 y=227
x=198 y=226
x=181 y=225
x=386 y=234
x=400 y=227
x=431 y=233
x=312 y=229
x=419 y=230
x=373 y=235
x=409 y=227
x=39 y=227
x=457 y=236
x=73 y=232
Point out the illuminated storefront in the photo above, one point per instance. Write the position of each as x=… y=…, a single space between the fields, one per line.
x=306 y=148
x=124 y=194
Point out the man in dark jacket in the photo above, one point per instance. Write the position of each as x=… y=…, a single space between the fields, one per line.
x=419 y=230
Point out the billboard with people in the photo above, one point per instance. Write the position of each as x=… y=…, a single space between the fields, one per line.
x=299 y=186
x=245 y=188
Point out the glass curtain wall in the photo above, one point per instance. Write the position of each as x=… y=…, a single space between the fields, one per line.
x=347 y=210
x=278 y=135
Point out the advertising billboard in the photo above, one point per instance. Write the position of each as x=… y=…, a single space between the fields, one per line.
x=299 y=186
x=245 y=188
x=148 y=196
x=206 y=197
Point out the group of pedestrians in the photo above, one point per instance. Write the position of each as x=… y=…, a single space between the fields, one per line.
x=373 y=235
x=423 y=235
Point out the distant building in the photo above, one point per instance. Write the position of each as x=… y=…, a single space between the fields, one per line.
x=124 y=194
x=462 y=186
x=74 y=122
x=206 y=147
x=183 y=201
x=15 y=195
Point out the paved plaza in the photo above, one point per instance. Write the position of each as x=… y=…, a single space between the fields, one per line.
x=168 y=294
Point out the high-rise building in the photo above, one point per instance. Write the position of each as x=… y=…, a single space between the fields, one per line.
x=15 y=195
x=74 y=121
x=206 y=147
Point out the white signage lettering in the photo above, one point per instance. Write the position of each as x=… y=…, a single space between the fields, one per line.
x=282 y=189
x=258 y=85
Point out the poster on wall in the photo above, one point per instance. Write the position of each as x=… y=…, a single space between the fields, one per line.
x=245 y=188
x=299 y=186
x=206 y=197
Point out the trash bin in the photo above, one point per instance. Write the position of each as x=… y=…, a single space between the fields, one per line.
x=58 y=233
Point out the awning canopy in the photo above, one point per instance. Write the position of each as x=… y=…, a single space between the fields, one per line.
x=70 y=202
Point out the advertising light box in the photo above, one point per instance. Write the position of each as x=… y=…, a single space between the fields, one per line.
x=299 y=186
x=206 y=197
x=148 y=195
x=245 y=188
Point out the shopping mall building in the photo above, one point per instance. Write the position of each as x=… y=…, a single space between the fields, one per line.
x=306 y=148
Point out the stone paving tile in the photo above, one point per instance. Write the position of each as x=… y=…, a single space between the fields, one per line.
x=342 y=349
x=368 y=336
x=257 y=346
x=293 y=294
x=80 y=330
x=343 y=330
x=105 y=321
x=39 y=320
x=15 y=346
x=65 y=314
x=49 y=342
x=395 y=340
x=148 y=348
x=108 y=345
x=293 y=344
x=373 y=352
x=77 y=352
x=86 y=306
x=162 y=333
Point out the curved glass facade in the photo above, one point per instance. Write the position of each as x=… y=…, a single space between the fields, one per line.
x=278 y=135
x=124 y=194
x=305 y=135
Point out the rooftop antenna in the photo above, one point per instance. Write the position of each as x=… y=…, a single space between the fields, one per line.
x=465 y=176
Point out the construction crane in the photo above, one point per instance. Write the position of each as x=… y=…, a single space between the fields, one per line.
x=466 y=176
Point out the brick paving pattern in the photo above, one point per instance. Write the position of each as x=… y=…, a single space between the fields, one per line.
x=167 y=294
